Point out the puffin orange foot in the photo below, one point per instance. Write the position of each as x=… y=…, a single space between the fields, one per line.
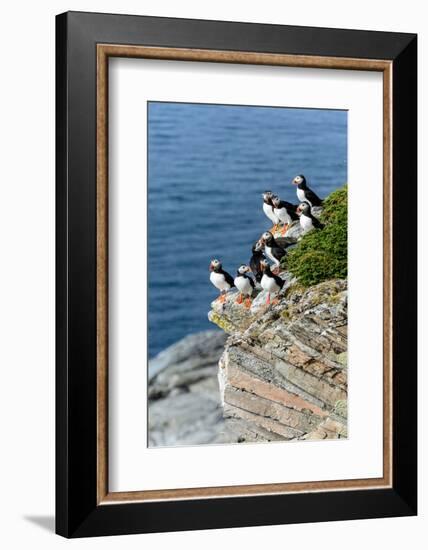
x=239 y=299
x=275 y=301
x=248 y=302
x=284 y=229
x=268 y=299
x=222 y=298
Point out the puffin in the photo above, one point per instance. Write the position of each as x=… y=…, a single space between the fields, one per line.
x=307 y=220
x=285 y=212
x=304 y=194
x=255 y=260
x=245 y=284
x=268 y=209
x=270 y=282
x=220 y=279
x=272 y=250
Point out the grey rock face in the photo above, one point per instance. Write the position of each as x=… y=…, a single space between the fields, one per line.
x=184 y=405
x=277 y=372
x=284 y=365
x=183 y=361
x=183 y=392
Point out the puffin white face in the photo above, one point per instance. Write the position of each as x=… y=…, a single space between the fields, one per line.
x=297 y=180
x=267 y=196
x=276 y=200
x=267 y=236
x=304 y=208
x=215 y=265
x=243 y=269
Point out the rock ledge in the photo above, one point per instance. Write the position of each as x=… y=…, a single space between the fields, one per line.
x=284 y=366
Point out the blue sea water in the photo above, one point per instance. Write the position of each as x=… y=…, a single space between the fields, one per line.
x=207 y=168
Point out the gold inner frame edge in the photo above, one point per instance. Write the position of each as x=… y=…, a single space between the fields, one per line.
x=104 y=51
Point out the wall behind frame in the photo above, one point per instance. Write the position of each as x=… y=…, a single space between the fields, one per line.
x=27 y=274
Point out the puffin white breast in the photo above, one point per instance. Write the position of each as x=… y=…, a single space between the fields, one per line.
x=268 y=210
x=268 y=252
x=283 y=215
x=219 y=281
x=306 y=222
x=301 y=195
x=243 y=285
x=269 y=284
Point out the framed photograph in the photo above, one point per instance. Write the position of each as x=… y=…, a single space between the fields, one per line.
x=236 y=274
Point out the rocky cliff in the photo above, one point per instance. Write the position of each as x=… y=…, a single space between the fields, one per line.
x=284 y=366
x=275 y=372
x=184 y=400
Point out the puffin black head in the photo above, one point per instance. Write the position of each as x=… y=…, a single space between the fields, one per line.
x=215 y=265
x=267 y=237
x=275 y=198
x=304 y=208
x=299 y=180
x=276 y=201
x=242 y=269
x=258 y=246
x=267 y=197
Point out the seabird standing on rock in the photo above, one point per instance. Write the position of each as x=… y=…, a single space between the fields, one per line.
x=268 y=209
x=255 y=260
x=272 y=249
x=307 y=220
x=285 y=212
x=304 y=194
x=270 y=282
x=220 y=279
x=245 y=284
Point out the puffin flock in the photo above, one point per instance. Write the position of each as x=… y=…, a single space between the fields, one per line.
x=266 y=249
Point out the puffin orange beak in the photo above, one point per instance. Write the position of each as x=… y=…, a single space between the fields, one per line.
x=211 y=268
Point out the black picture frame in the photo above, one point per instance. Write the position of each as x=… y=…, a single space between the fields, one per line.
x=77 y=511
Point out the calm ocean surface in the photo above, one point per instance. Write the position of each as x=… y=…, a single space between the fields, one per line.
x=208 y=165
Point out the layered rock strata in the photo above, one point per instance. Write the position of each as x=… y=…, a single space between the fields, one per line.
x=184 y=406
x=284 y=366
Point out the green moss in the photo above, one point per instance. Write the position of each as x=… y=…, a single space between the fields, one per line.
x=323 y=254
